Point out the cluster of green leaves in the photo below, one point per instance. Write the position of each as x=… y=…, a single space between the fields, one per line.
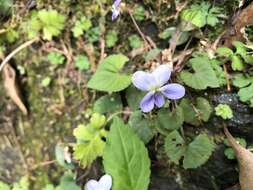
x=193 y=154
x=206 y=73
x=56 y=58
x=237 y=58
x=139 y=13
x=10 y=35
x=109 y=76
x=81 y=25
x=50 y=22
x=229 y=152
x=82 y=62
x=200 y=15
x=245 y=84
x=67 y=182
x=224 y=111
x=111 y=38
x=23 y=184
x=240 y=60
x=90 y=143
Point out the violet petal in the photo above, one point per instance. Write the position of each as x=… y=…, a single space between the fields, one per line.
x=148 y=102
x=143 y=80
x=173 y=91
x=91 y=185
x=116 y=3
x=162 y=74
x=159 y=99
x=106 y=182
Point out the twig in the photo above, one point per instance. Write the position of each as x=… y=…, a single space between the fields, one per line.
x=138 y=28
x=2 y=31
x=117 y=113
x=18 y=49
x=226 y=76
x=45 y=163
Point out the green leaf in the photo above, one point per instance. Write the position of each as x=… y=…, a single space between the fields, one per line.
x=90 y=144
x=111 y=38
x=11 y=35
x=224 y=51
x=82 y=25
x=5 y=7
x=224 y=111
x=67 y=182
x=108 y=104
x=198 y=152
x=220 y=74
x=212 y=17
x=201 y=14
x=56 y=58
x=46 y=82
x=170 y=120
x=82 y=62
x=229 y=152
x=237 y=64
x=49 y=187
x=246 y=94
x=4 y=186
x=194 y=154
x=135 y=41
x=23 y=184
x=93 y=34
x=52 y=23
x=126 y=158
x=167 y=33
x=195 y=113
x=175 y=146
x=142 y=126
x=139 y=13
x=204 y=75
x=242 y=50
x=108 y=76
x=241 y=81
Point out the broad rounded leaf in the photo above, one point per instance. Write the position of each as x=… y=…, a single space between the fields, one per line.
x=204 y=75
x=143 y=127
x=108 y=76
x=170 y=120
x=198 y=152
x=174 y=146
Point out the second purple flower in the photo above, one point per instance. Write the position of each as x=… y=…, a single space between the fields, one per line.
x=155 y=84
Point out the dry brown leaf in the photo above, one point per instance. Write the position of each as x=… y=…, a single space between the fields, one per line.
x=242 y=19
x=245 y=160
x=11 y=87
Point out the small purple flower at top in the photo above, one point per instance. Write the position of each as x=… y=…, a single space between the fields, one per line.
x=116 y=9
x=155 y=84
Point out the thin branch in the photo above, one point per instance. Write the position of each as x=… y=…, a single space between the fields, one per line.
x=138 y=28
x=18 y=49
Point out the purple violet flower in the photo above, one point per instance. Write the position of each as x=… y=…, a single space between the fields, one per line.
x=154 y=83
x=116 y=9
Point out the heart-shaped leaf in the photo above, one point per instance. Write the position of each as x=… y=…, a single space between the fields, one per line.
x=108 y=76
